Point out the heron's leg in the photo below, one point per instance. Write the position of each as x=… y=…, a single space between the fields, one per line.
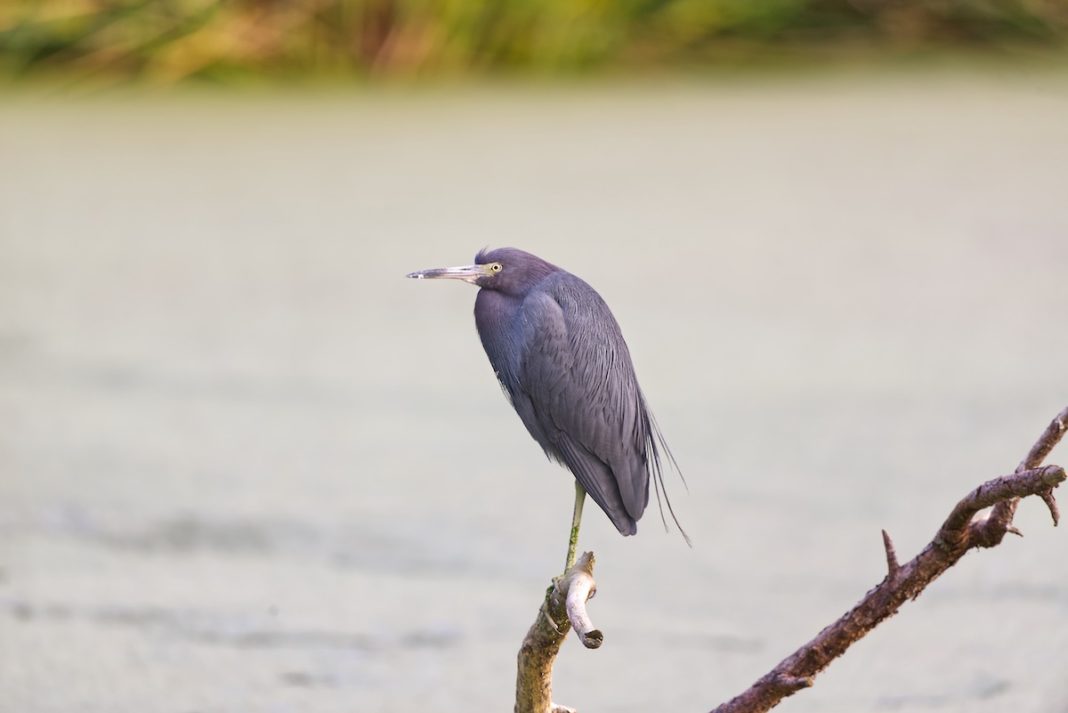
x=576 y=520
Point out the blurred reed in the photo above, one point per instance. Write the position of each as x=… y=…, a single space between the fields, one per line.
x=167 y=41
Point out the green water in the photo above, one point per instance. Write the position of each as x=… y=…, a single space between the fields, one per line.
x=246 y=466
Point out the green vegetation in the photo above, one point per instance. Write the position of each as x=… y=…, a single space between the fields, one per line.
x=171 y=40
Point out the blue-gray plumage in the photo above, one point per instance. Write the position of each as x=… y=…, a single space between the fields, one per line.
x=560 y=357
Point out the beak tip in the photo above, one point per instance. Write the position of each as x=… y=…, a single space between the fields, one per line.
x=415 y=275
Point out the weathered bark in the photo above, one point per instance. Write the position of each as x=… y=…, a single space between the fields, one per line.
x=961 y=532
x=563 y=608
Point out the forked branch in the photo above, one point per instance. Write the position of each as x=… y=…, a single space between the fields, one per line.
x=563 y=608
x=961 y=532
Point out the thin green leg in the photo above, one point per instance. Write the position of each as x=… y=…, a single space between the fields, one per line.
x=576 y=520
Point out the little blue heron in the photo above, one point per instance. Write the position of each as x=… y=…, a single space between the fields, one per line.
x=562 y=361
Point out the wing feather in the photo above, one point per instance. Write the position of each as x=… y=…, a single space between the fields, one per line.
x=576 y=372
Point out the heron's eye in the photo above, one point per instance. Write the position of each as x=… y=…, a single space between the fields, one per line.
x=496 y=267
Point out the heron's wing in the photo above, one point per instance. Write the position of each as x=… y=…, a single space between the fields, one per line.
x=576 y=372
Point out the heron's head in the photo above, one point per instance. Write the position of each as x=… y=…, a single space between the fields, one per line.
x=505 y=270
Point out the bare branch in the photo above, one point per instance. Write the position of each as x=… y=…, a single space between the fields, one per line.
x=581 y=588
x=892 y=567
x=960 y=529
x=1005 y=510
x=1051 y=503
x=1046 y=442
x=564 y=607
x=961 y=532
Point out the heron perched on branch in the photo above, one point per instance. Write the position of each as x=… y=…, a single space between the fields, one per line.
x=561 y=358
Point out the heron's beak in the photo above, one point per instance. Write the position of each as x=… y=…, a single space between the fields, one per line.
x=468 y=273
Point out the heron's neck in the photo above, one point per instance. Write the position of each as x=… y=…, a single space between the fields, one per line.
x=495 y=315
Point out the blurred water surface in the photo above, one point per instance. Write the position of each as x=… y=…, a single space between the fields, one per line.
x=246 y=466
